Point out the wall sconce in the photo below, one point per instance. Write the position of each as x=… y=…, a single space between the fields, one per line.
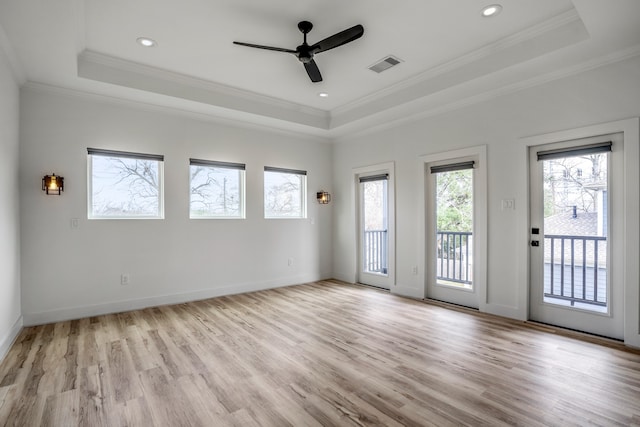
x=323 y=197
x=53 y=184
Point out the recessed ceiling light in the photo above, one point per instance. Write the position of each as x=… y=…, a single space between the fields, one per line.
x=491 y=10
x=146 y=42
x=323 y=94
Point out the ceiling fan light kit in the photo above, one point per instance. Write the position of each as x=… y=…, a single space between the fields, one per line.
x=306 y=52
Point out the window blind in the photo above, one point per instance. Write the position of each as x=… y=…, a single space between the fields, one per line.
x=601 y=147
x=453 y=167
x=283 y=170
x=215 y=164
x=127 y=154
x=382 y=177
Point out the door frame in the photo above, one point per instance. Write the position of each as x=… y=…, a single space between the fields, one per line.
x=381 y=168
x=480 y=236
x=609 y=323
x=630 y=129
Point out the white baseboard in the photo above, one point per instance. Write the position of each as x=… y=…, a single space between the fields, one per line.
x=345 y=277
x=504 y=311
x=7 y=341
x=40 y=318
x=408 y=291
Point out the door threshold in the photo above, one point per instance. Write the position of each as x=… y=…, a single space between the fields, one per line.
x=373 y=286
x=575 y=333
x=453 y=304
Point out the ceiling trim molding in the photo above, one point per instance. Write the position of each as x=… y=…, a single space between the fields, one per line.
x=384 y=120
x=562 y=30
x=100 y=67
x=17 y=70
x=568 y=18
x=216 y=117
x=374 y=123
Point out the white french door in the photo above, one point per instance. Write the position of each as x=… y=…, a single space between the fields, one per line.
x=576 y=252
x=450 y=236
x=376 y=228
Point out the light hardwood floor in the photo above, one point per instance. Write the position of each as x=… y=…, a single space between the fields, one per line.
x=325 y=353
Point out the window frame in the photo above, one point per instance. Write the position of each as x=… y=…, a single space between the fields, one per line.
x=303 y=191
x=91 y=152
x=240 y=167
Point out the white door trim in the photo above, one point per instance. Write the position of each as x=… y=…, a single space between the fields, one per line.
x=630 y=128
x=479 y=220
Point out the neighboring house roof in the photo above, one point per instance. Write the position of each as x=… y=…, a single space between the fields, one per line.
x=575 y=250
x=585 y=224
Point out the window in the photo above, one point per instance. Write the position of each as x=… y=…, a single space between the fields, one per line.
x=217 y=189
x=454 y=224
x=285 y=193
x=375 y=212
x=124 y=185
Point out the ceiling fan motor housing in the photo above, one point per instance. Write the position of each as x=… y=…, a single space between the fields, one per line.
x=304 y=54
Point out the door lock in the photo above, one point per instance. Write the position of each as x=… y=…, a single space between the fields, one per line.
x=535 y=231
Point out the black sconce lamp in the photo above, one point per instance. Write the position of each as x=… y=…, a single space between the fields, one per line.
x=323 y=197
x=53 y=184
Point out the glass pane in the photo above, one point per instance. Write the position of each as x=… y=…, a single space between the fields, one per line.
x=283 y=195
x=216 y=192
x=124 y=188
x=454 y=232
x=575 y=231
x=375 y=221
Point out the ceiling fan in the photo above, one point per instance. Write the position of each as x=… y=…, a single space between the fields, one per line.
x=305 y=53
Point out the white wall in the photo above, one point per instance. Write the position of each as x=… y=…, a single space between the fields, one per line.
x=10 y=312
x=606 y=94
x=69 y=273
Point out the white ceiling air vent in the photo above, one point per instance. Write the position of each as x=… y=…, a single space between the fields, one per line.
x=385 y=64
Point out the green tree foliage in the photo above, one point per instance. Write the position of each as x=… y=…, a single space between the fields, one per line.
x=454 y=191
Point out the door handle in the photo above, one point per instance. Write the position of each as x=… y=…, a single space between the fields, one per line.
x=535 y=243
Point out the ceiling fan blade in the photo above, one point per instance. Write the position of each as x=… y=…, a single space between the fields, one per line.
x=346 y=36
x=313 y=71
x=259 y=46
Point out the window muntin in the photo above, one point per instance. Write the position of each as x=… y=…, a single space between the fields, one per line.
x=124 y=185
x=217 y=189
x=285 y=193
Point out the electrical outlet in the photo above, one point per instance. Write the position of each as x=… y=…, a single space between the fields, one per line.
x=414 y=270
x=125 y=279
x=290 y=262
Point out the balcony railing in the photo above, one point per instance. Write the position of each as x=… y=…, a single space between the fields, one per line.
x=575 y=269
x=455 y=256
x=375 y=251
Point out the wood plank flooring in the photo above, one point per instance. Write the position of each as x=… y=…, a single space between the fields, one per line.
x=325 y=353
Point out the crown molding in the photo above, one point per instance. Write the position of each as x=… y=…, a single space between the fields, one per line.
x=104 y=68
x=189 y=110
x=415 y=111
x=384 y=120
x=565 y=20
